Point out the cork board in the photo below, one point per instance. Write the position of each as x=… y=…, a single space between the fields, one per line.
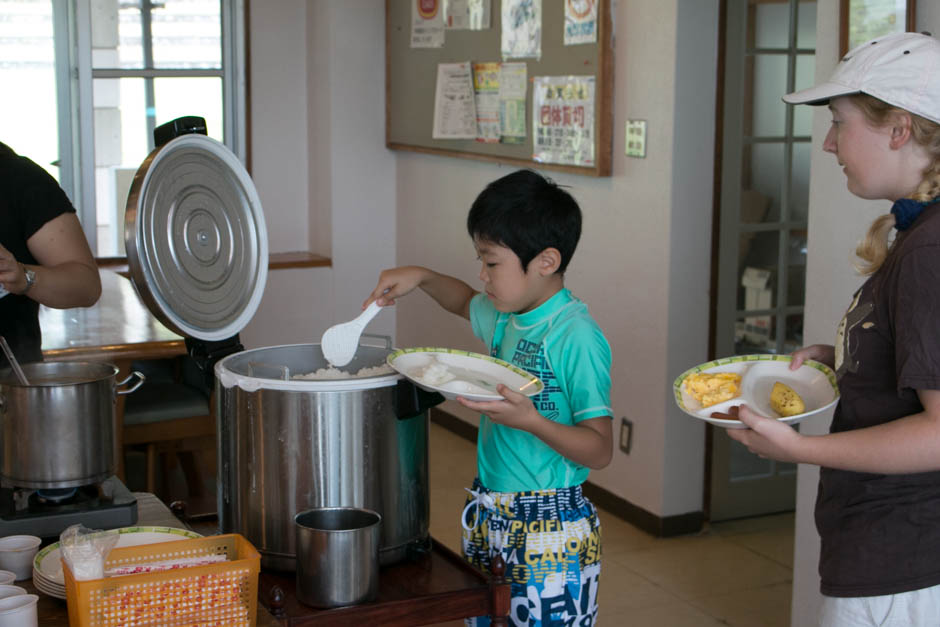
x=411 y=75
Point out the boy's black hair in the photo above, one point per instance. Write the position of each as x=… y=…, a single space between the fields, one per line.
x=527 y=213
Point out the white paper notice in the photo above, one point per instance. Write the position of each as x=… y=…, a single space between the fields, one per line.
x=512 y=93
x=455 y=115
x=563 y=120
x=427 y=24
x=467 y=14
x=580 y=22
x=522 y=29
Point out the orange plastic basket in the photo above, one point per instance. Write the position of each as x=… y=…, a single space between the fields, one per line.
x=222 y=594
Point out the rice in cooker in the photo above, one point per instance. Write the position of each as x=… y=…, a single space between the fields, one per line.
x=333 y=372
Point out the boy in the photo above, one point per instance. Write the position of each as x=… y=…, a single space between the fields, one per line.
x=532 y=454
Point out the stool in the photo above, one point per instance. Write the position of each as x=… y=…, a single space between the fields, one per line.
x=170 y=416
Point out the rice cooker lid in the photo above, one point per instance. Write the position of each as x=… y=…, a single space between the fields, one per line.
x=194 y=230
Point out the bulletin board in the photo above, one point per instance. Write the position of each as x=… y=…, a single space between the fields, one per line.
x=411 y=79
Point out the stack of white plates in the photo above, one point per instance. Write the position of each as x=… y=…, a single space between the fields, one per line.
x=47 y=567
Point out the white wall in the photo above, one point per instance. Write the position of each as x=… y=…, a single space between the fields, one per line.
x=324 y=177
x=837 y=221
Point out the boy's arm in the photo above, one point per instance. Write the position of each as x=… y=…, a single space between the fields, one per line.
x=450 y=293
x=589 y=442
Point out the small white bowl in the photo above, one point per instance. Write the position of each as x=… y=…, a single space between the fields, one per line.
x=7 y=577
x=19 y=611
x=6 y=590
x=17 y=553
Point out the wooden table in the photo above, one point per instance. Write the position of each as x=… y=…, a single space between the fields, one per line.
x=436 y=587
x=118 y=329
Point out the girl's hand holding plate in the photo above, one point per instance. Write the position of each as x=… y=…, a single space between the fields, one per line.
x=767 y=437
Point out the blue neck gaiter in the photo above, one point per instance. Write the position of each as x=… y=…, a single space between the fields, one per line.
x=906 y=210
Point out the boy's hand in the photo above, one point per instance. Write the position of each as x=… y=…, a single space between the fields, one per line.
x=396 y=282
x=515 y=410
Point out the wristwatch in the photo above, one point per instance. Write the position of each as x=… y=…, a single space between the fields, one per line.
x=30 y=278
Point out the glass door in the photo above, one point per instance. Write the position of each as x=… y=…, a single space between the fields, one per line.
x=765 y=154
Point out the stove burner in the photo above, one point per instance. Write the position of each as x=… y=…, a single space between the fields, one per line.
x=55 y=496
x=47 y=512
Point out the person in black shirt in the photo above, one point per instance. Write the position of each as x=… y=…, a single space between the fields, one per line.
x=44 y=256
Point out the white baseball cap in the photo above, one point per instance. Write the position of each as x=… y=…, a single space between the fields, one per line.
x=902 y=69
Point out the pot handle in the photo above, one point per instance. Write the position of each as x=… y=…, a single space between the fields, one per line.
x=141 y=378
x=411 y=400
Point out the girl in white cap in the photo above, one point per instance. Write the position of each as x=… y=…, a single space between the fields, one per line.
x=878 y=505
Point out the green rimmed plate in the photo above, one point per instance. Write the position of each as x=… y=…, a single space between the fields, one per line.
x=813 y=381
x=47 y=565
x=454 y=373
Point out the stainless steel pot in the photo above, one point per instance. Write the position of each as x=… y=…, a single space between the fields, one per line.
x=58 y=431
x=288 y=445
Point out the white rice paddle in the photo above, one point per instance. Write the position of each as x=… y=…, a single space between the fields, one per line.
x=340 y=342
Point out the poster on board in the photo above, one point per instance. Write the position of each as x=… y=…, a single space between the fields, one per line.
x=563 y=120
x=467 y=14
x=455 y=114
x=521 y=36
x=427 y=24
x=512 y=102
x=580 y=22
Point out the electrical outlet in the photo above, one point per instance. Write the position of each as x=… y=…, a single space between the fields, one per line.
x=635 y=139
x=626 y=435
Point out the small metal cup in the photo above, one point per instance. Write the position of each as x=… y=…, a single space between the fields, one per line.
x=337 y=556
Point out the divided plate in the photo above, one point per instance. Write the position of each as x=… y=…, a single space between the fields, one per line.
x=813 y=381
x=476 y=375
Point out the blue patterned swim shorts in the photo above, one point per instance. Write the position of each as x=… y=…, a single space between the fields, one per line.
x=551 y=542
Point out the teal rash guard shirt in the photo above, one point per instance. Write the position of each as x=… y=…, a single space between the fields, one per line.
x=561 y=344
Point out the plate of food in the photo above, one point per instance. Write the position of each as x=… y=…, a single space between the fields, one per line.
x=764 y=383
x=454 y=373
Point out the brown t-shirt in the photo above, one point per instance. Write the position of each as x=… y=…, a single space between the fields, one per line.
x=881 y=533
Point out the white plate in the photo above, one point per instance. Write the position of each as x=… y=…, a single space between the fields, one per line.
x=49 y=590
x=48 y=562
x=813 y=381
x=475 y=376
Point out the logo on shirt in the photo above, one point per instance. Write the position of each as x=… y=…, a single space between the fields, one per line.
x=847 y=341
x=530 y=356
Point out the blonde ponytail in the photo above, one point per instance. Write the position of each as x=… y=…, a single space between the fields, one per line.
x=874 y=249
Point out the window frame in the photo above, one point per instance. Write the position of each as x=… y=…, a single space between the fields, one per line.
x=74 y=87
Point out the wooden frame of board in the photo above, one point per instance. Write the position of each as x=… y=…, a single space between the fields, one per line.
x=411 y=73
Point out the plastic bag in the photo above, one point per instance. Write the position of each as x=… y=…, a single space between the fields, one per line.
x=85 y=550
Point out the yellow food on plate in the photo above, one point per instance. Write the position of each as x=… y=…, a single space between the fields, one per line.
x=711 y=389
x=785 y=401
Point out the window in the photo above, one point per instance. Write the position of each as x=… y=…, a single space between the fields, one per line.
x=97 y=76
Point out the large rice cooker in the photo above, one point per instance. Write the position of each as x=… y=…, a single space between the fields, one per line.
x=197 y=251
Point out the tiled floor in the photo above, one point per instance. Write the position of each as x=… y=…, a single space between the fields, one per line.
x=735 y=573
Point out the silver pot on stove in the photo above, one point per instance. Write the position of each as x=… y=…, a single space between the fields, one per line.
x=58 y=431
